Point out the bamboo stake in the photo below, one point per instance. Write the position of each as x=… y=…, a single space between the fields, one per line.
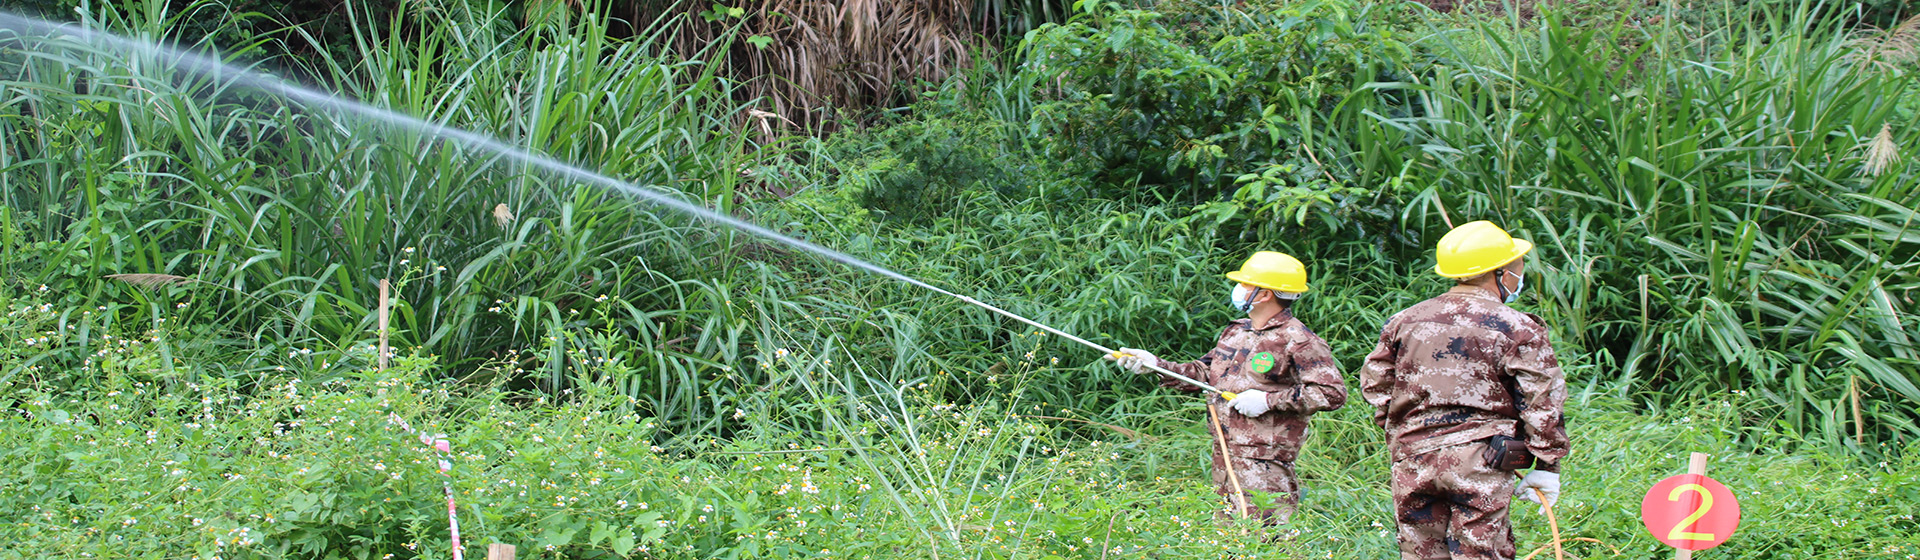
x=1859 y=420
x=497 y=551
x=383 y=324
x=1696 y=464
x=1239 y=495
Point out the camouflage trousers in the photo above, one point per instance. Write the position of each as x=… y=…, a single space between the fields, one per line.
x=1449 y=504
x=1272 y=491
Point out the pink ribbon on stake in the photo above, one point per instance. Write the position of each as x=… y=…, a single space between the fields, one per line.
x=441 y=448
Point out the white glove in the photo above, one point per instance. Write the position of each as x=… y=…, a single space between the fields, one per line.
x=1250 y=403
x=1546 y=482
x=1135 y=360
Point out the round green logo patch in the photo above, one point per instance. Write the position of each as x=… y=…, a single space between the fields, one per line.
x=1261 y=362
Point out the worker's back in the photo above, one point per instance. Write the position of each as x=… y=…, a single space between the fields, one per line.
x=1449 y=371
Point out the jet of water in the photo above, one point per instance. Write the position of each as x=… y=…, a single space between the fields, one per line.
x=213 y=68
x=210 y=67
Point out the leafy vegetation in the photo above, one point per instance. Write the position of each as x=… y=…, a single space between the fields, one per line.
x=1740 y=208
x=1201 y=100
x=1727 y=260
x=278 y=223
x=143 y=460
x=1729 y=217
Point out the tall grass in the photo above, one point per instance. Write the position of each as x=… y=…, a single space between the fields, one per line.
x=1715 y=213
x=113 y=461
x=568 y=315
x=274 y=224
x=269 y=228
x=1707 y=216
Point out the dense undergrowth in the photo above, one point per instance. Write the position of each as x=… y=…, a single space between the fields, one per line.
x=1715 y=215
x=145 y=460
x=1727 y=260
x=1706 y=204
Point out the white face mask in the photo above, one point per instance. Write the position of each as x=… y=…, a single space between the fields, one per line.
x=1519 y=284
x=1243 y=298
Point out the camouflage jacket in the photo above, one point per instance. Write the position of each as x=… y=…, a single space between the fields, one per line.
x=1463 y=367
x=1283 y=358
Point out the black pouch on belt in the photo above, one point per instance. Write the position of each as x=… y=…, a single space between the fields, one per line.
x=1507 y=454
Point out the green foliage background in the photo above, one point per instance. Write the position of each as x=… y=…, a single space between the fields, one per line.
x=1727 y=260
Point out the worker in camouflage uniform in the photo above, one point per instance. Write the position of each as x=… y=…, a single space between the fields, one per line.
x=1469 y=393
x=1280 y=372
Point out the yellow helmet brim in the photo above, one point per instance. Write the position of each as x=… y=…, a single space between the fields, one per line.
x=1248 y=279
x=1520 y=249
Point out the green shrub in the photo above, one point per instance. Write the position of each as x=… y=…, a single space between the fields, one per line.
x=1710 y=217
x=1796 y=501
x=277 y=222
x=1216 y=103
x=138 y=459
x=924 y=168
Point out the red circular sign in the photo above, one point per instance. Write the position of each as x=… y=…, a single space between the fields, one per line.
x=1690 y=511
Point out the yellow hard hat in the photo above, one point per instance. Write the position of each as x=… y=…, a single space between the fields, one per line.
x=1477 y=248
x=1279 y=272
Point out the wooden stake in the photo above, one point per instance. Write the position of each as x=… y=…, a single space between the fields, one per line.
x=1697 y=464
x=383 y=329
x=1859 y=421
x=497 y=551
x=1239 y=495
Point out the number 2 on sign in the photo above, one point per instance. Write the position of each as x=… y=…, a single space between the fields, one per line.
x=1706 y=504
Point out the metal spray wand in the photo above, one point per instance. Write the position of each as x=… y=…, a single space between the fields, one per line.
x=1090 y=344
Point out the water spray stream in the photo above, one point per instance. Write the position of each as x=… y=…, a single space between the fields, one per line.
x=207 y=66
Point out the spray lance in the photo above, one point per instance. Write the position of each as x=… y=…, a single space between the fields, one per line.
x=1239 y=495
x=1090 y=344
